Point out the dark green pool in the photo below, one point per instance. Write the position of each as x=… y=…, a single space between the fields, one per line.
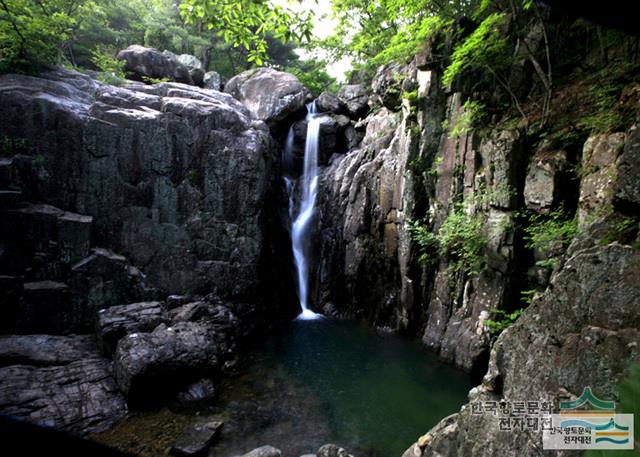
x=324 y=381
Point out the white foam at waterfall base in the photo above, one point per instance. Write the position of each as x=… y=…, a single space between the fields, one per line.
x=301 y=228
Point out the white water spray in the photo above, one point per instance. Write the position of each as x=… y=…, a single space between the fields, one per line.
x=301 y=226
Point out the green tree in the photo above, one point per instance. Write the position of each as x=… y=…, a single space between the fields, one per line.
x=248 y=23
x=37 y=31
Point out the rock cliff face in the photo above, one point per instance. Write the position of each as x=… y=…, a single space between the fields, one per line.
x=414 y=167
x=175 y=177
x=183 y=183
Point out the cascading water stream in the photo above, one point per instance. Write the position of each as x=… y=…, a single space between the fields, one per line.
x=302 y=224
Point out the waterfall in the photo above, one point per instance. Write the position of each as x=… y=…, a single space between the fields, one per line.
x=301 y=226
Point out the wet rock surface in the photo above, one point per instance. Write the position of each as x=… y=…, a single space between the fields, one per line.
x=62 y=382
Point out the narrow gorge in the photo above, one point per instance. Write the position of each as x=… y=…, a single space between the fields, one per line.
x=192 y=265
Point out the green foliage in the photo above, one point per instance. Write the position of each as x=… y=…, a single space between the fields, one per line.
x=104 y=58
x=470 y=115
x=622 y=231
x=313 y=76
x=150 y=80
x=425 y=239
x=411 y=97
x=247 y=23
x=461 y=239
x=502 y=320
x=409 y=39
x=34 y=31
x=548 y=233
x=12 y=146
x=604 y=98
x=486 y=47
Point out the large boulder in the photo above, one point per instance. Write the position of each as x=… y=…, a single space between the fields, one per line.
x=193 y=65
x=60 y=382
x=329 y=103
x=212 y=80
x=118 y=321
x=151 y=365
x=355 y=99
x=141 y=62
x=270 y=95
x=175 y=176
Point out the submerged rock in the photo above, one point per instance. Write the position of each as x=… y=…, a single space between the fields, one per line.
x=331 y=450
x=264 y=451
x=196 y=439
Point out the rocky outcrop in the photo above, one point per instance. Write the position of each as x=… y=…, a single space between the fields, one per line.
x=176 y=356
x=173 y=176
x=141 y=62
x=362 y=207
x=355 y=99
x=271 y=96
x=577 y=342
x=212 y=80
x=118 y=321
x=61 y=382
x=387 y=85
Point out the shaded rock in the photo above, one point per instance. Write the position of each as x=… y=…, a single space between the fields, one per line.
x=196 y=439
x=627 y=192
x=212 y=80
x=355 y=99
x=196 y=393
x=386 y=85
x=211 y=313
x=270 y=95
x=45 y=308
x=173 y=301
x=104 y=279
x=544 y=180
x=264 y=451
x=598 y=184
x=150 y=365
x=150 y=63
x=44 y=350
x=329 y=103
x=192 y=64
x=175 y=176
x=361 y=205
x=118 y=321
x=331 y=450
x=59 y=382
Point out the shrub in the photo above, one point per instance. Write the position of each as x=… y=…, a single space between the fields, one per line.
x=502 y=320
x=462 y=241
